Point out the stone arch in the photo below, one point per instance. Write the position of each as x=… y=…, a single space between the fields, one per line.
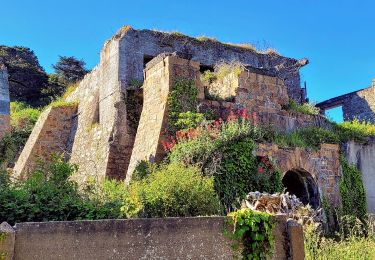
x=301 y=183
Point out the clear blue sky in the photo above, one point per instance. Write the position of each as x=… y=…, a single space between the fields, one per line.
x=337 y=36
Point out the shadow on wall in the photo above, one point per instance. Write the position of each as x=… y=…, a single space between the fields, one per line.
x=301 y=183
x=360 y=105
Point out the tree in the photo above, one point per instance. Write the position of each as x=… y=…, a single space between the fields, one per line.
x=26 y=77
x=70 y=69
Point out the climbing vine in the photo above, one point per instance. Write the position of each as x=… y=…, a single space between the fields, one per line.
x=352 y=190
x=254 y=230
x=182 y=98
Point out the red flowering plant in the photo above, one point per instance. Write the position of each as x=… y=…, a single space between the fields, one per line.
x=224 y=149
x=268 y=177
x=196 y=145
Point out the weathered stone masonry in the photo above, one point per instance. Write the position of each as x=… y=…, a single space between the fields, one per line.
x=4 y=101
x=355 y=105
x=51 y=135
x=104 y=134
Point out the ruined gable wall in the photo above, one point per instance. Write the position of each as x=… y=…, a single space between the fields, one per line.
x=135 y=44
x=159 y=77
x=99 y=146
x=4 y=101
x=360 y=105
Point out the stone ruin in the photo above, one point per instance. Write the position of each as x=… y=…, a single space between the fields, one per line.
x=111 y=123
x=4 y=101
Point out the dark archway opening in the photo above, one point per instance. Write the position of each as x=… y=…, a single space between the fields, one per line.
x=302 y=184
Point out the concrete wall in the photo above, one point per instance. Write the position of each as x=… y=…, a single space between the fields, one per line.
x=4 y=101
x=170 y=238
x=362 y=155
x=50 y=135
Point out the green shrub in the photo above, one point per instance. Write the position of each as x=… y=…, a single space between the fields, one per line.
x=325 y=248
x=238 y=171
x=352 y=191
x=173 y=190
x=305 y=108
x=189 y=119
x=182 y=98
x=23 y=116
x=208 y=77
x=355 y=130
x=254 y=230
x=49 y=195
x=225 y=151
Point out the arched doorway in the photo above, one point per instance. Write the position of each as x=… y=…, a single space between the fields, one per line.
x=300 y=183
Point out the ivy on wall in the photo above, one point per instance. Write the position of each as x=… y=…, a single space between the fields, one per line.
x=352 y=190
x=254 y=230
x=182 y=98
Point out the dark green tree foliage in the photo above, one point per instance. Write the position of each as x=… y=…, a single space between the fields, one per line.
x=352 y=191
x=70 y=69
x=26 y=77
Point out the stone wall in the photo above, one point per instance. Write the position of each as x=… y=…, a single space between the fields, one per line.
x=168 y=238
x=4 y=101
x=160 y=74
x=51 y=135
x=355 y=105
x=136 y=46
x=264 y=94
x=362 y=156
x=322 y=165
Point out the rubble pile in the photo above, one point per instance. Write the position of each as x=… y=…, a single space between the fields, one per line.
x=284 y=203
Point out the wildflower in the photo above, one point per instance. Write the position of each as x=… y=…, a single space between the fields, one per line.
x=255 y=119
x=243 y=113
x=260 y=170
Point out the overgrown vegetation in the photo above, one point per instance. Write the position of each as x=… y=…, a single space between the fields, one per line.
x=48 y=195
x=253 y=233
x=350 y=242
x=172 y=190
x=352 y=191
x=305 y=108
x=224 y=150
x=23 y=118
x=182 y=98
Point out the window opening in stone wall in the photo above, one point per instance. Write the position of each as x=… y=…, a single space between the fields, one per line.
x=302 y=184
x=335 y=114
x=146 y=59
x=203 y=68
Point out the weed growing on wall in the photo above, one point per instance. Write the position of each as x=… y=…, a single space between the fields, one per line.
x=305 y=108
x=253 y=232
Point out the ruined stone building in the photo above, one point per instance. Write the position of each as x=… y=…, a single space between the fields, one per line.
x=4 y=101
x=111 y=123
